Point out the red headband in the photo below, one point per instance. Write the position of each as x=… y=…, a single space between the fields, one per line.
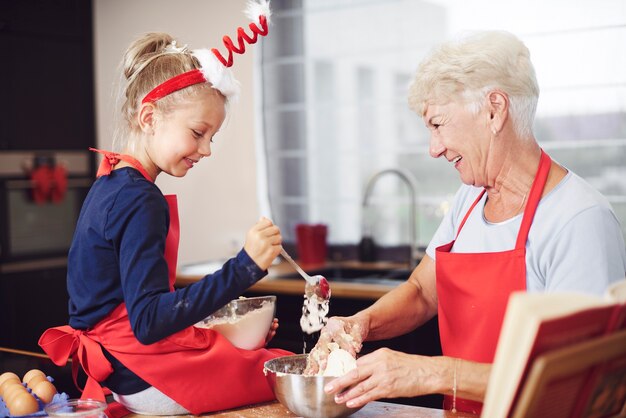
x=203 y=75
x=174 y=84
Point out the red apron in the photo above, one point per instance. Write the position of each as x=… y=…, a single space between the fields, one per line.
x=198 y=368
x=473 y=290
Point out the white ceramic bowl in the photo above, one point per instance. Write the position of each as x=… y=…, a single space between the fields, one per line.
x=245 y=322
x=302 y=395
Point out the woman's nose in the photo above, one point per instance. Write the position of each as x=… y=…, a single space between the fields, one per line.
x=436 y=148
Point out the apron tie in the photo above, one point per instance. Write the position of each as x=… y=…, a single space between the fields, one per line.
x=110 y=160
x=64 y=342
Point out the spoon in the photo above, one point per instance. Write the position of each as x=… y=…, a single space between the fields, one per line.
x=314 y=284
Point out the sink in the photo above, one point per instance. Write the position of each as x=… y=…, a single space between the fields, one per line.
x=356 y=274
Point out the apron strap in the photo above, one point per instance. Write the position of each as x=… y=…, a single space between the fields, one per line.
x=534 y=197
x=111 y=159
x=469 y=211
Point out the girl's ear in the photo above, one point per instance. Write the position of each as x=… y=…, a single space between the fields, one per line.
x=146 y=118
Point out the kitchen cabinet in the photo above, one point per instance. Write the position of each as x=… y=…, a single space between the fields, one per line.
x=47 y=97
x=423 y=341
x=30 y=303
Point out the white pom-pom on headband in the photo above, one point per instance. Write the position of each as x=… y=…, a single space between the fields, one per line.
x=220 y=77
x=213 y=66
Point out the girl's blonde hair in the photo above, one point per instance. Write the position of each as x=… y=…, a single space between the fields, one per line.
x=467 y=69
x=149 y=61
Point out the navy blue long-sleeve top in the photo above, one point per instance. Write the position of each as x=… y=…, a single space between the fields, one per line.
x=117 y=256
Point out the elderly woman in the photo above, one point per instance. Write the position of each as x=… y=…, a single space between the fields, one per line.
x=520 y=221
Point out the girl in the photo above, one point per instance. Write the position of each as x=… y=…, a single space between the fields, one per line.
x=130 y=330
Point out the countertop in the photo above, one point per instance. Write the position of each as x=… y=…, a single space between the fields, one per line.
x=273 y=284
x=371 y=410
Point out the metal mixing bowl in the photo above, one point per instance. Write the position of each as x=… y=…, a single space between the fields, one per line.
x=302 y=395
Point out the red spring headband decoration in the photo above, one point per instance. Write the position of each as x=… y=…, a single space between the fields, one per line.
x=217 y=75
x=241 y=36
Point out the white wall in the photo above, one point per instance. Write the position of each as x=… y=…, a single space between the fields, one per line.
x=217 y=199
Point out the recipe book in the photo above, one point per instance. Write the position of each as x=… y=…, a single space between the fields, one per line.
x=560 y=355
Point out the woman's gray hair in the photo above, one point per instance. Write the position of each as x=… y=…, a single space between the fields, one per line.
x=467 y=69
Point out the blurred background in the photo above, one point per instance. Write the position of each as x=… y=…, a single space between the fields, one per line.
x=323 y=109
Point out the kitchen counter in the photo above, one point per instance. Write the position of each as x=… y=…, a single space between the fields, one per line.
x=274 y=284
x=371 y=410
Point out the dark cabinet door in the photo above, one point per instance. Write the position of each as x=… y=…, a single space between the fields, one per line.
x=47 y=68
x=30 y=303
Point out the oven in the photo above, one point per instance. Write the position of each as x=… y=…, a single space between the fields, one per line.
x=41 y=194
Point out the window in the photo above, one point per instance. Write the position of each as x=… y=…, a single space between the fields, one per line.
x=335 y=75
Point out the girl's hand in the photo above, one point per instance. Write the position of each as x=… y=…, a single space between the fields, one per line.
x=263 y=243
x=272 y=331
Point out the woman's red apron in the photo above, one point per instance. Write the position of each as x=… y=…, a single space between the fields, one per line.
x=473 y=290
x=198 y=368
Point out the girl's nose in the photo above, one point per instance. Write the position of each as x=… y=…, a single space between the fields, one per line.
x=205 y=148
x=436 y=148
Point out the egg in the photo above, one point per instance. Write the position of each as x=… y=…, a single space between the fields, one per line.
x=8 y=375
x=36 y=380
x=12 y=391
x=45 y=391
x=7 y=383
x=32 y=373
x=23 y=404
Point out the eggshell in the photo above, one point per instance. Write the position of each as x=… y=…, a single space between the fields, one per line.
x=7 y=383
x=23 y=404
x=45 y=391
x=32 y=373
x=34 y=381
x=12 y=391
x=8 y=375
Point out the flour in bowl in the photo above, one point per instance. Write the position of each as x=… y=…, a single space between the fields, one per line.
x=247 y=331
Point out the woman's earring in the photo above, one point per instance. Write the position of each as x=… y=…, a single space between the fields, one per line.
x=494 y=131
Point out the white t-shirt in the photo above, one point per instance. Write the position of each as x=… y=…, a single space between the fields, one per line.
x=575 y=242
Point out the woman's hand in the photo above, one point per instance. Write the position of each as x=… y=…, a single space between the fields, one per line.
x=272 y=331
x=347 y=332
x=263 y=243
x=386 y=374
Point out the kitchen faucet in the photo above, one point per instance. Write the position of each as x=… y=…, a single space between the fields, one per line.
x=404 y=175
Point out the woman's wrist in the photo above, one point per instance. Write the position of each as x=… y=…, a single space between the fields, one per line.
x=460 y=378
x=444 y=375
x=363 y=319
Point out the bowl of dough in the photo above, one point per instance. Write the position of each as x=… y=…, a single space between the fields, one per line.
x=303 y=393
x=245 y=322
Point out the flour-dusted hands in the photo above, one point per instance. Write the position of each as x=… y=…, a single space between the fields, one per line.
x=386 y=374
x=345 y=332
x=263 y=243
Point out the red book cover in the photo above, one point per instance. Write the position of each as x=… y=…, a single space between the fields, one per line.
x=547 y=344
